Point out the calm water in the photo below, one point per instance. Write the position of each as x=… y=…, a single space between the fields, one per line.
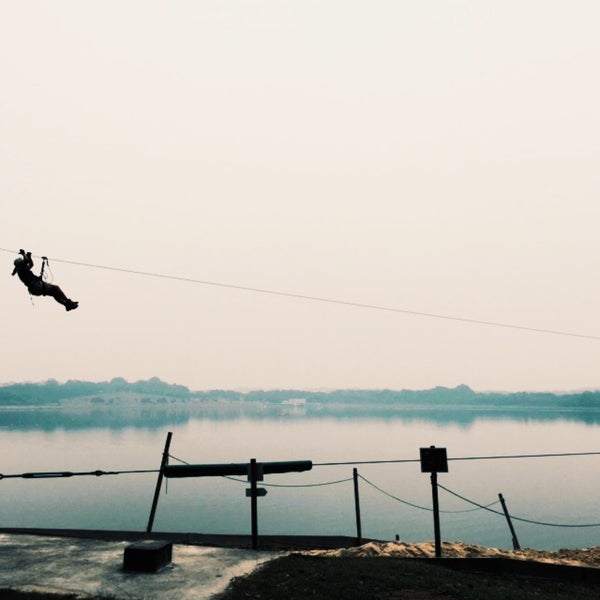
x=562 y=490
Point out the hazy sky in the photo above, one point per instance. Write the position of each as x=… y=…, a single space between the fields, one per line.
x=436 y=156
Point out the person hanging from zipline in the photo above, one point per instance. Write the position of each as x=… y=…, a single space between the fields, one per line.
x=36 y=284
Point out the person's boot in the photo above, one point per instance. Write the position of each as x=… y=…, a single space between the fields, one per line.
x=70 y=305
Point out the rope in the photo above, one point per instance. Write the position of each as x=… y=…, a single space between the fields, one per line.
x=416 y=505
x=517 y=518
x=395 y=497
x=178 y=459
x=285 y=485
x=328 y=300
x=44 y=274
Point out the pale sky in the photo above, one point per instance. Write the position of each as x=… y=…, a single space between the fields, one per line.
x=439 y=157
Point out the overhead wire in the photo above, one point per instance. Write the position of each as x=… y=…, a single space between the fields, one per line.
x=325 y=300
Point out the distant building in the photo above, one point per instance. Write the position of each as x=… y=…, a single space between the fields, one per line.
x=295 y=402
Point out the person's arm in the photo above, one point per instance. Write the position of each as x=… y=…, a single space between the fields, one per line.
x=28 y=260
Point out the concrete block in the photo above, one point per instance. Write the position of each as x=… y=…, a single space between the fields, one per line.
x=147 y=556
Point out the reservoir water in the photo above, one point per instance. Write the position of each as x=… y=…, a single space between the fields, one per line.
x=395 y=497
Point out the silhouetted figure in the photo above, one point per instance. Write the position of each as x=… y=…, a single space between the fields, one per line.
x=35 y=283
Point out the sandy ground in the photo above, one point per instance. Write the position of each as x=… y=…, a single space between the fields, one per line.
x=588 y=557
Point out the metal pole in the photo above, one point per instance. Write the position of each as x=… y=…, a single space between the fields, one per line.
x=436 y=516
x=515 y=541
x=164 y=462
x=254 y=503
x=357 y=507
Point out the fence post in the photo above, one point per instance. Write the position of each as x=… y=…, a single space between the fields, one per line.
x=515 y=541
x=253 y=503
x=164 y=461
x=357 y=507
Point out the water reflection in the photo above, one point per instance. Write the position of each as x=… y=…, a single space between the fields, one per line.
x=558 y=489
x=157 y=416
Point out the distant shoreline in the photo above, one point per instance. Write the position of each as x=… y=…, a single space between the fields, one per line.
x=155 y=391
x=154 y=404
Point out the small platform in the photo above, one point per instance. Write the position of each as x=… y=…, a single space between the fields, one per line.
x=147 y=556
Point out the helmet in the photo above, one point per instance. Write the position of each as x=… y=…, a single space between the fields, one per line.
x=17 y=262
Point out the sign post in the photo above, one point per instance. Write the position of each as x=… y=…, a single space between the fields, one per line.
x=434 y=460
x=255 y=472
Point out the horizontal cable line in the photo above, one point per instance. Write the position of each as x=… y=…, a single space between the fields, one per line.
x=328 y=300
x=98 y=472
x=518 y=518
x=421 y=507
x=366 y=462
x=497 y=457
x=56 y=474
x=505 y=456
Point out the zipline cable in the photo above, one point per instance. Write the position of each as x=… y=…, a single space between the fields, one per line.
x=367 y=462
x=99 y=472
x=507 y=456
x=497 y=457
x=58 y=474
x=327 y=300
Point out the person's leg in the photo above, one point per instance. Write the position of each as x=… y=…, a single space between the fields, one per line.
x=59 y=296
x=36 y=288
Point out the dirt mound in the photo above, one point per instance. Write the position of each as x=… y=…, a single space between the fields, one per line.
x=589 y=557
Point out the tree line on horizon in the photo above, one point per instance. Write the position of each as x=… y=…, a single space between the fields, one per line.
x=52 y=393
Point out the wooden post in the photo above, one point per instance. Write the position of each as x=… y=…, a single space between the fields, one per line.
x=164 y=462
x=357 y=507
x=436 y=516
x=254 y=503
x=515 y=541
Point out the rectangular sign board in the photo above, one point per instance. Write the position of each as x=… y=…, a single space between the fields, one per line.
x=434 y=460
